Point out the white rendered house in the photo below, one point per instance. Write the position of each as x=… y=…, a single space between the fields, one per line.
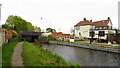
x=83 y=28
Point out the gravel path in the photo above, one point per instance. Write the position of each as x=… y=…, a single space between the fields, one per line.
x=16 y=57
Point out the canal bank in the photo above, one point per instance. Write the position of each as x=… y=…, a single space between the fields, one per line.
x=84 y=56
x=42 y=58
x=94 y=47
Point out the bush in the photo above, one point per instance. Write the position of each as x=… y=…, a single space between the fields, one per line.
x=15 y=34
x=44 y=38
x=50 y=37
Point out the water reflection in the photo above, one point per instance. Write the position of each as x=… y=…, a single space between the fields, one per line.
x=85 y=57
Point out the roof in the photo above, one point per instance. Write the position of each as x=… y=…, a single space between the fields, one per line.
x=96 y=23
x=60 y=34
x=57 y=33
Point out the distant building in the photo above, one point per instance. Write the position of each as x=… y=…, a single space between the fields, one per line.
x=61 y=36
x=58 y=36
x=84 y=28
x=46 y=34
x=6 y=34
x=66 y=37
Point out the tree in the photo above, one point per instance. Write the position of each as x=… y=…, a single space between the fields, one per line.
x=72 y=30
x=15 y=34
x=50 y=30
x=37 y=29
x=17 y=23
x=109 y=36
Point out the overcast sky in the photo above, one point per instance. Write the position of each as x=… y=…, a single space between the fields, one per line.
x=60 y=14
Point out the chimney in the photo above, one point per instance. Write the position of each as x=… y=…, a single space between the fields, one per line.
x=108 y=18
x=84 y=19
x=91 y=20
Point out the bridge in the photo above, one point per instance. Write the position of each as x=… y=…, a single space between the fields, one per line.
x=29 y=36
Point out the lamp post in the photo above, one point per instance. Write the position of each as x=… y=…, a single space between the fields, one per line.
x=92 y=35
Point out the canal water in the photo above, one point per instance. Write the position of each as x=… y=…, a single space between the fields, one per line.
x=85 y=57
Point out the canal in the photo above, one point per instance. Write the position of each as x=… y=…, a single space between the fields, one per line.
x=85 y=57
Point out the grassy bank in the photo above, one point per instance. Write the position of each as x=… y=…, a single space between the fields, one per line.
x=0 y=56
x=35 y=56
x=7 y=51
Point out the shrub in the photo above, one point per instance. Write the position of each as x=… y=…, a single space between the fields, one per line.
x=15 y=34
x=50 y=37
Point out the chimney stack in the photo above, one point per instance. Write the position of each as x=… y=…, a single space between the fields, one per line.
x=108 y=18
x=91 y=20
x=84 y=19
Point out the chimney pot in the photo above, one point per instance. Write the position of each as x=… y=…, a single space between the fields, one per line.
x=108 y=18
x=91 y=20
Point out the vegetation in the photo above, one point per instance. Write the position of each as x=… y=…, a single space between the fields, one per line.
x=37 y=29
x=7 y=51
x=17 y=23
x=80 y=40
x=44 y=39
x=116 y=46
x=50 y=37
x=35 y=56
x=0 y=56
x=72 y=36
x=50 y=30
x=109 y=36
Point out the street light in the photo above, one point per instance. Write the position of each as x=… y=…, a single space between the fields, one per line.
x=92 y=35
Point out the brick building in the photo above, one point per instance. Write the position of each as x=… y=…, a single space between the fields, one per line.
x=61 y=36
x=6 y=34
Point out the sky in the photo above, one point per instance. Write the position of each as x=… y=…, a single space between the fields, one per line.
x=61 y=15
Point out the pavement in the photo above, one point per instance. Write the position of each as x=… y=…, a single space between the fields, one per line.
x=16 y=57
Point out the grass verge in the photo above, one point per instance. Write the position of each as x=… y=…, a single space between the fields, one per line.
x=0 y=56
x=35 y=56
x=7 y=51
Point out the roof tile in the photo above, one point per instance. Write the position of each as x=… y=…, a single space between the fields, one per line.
x=96 y=23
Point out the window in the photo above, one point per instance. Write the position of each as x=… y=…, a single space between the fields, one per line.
x=110 y=27
x=102 y=27
x=78 y=27
x=92 y=33
x=54 y=35
x=101 y=33
x=79 y=33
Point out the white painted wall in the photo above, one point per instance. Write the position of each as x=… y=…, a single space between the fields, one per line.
x=110 y=23
x=84 y=30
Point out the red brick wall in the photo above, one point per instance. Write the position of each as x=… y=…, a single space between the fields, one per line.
x=8 y=34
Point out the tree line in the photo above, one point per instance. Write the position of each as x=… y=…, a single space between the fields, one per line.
x=17 y=23
x=14 y=22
